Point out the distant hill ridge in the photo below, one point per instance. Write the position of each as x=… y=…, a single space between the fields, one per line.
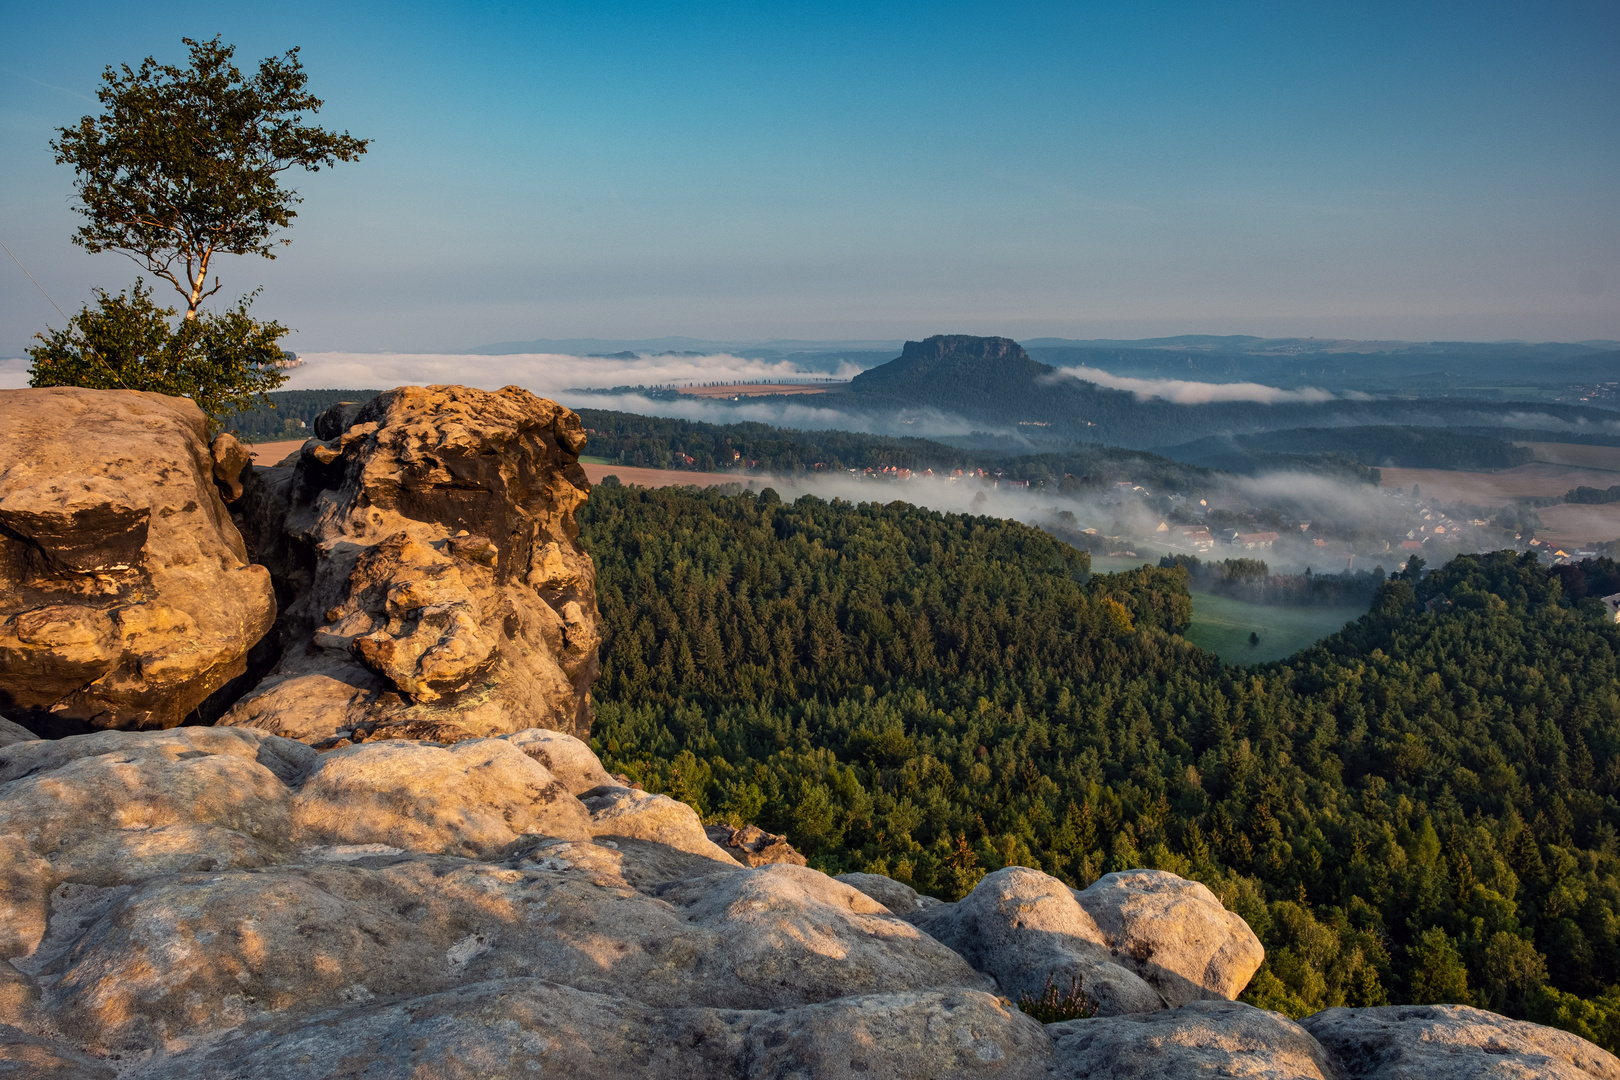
x=994 y=380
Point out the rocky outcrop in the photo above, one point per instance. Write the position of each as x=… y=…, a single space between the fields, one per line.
x=565 y=757
x=1202 y=1038
x=1450 y=1042
x=899 y=898
x=1173 y=933
x=11 y=733
x=753 y=846
x=1024 y=927
x=429 y=566
x=126 y=594
x=224 y=903
x=630 y=813
x=526 y=1027
x=1136 y=941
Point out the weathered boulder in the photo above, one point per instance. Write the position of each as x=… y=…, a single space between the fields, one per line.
x=114 y=808
x=1202 y=1038
x=565 y=757
x=622 y=812
x=365 y=925
x=797 y=935
x=13 y=733
x=430 y=570
x=126 y=594
x=898 y=897
x=226 y=903
x=1175 y=934
x=529 y=1027
x=753 y=846
x=473 y=798
x=1450 y=1042
x=1025 y=927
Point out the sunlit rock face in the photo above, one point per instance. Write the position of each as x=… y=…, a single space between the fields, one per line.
x=127 y=597
x=222 y=902
x=429 y=566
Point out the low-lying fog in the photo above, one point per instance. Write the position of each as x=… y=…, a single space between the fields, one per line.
x=1350 y=518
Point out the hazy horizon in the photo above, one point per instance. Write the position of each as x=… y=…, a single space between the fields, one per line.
x=1446 y=172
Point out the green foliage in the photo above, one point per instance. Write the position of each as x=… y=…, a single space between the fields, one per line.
x=223 y=361
x=662 y=443
x=1052 y=1006
x=1424 y=805
x=1438 y=975
x=185 y=163
x=290 y=414
x=1252 y=581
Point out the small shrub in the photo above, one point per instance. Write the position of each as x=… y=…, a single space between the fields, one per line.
x=1052 y=1007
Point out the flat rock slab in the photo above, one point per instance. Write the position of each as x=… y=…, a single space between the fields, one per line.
x=527 y=1027
x=1451 y=1042
x=1204 y=1038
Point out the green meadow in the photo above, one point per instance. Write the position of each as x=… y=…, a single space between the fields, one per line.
x=1223 y=625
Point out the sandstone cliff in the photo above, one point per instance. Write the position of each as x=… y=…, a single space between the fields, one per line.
x=429 y=569
x=126 y=595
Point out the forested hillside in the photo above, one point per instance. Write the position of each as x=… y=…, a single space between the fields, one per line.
x=1421 y=808
x=1386 y=445
x=665 y=443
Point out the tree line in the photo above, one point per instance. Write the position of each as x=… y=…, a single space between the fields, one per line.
x=1251 y=580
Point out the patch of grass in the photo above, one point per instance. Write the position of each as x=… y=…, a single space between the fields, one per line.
x=1223 y=626
x=1052 y=1007
x=592 y=459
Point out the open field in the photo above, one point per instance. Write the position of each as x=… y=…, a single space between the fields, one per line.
x=1606 y=458
x=1573 y=525
x=1497 y=488
x=653 y=478
x=1560 y=467
x=735 y=390
x=271 y=453
x=1223 y=625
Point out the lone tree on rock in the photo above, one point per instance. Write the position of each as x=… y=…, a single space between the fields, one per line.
x=185 y=164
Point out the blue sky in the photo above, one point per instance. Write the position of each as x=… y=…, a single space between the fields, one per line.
x=883 y=171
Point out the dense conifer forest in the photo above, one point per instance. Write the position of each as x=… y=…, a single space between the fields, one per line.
x=1420 y=808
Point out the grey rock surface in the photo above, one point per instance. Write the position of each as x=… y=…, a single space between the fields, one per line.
x=1450 y=1042
x=1023 y=927
x=565 y=757
x=25 y=1056
x=1203 y=1038
x=13 y=733
x=629 y=813
x=1175 y=934
x=899 y=898
x=473 y=798
x=222 y=902
x=528 y=1027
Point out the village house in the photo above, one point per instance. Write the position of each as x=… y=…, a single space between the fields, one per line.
x=1254 y=540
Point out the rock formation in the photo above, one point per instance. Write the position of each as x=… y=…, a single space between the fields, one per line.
x=429 y=569
x=223 y=903
x=1449 y=1042
x=126 y=595
x=433 y=875
x=753 y=846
